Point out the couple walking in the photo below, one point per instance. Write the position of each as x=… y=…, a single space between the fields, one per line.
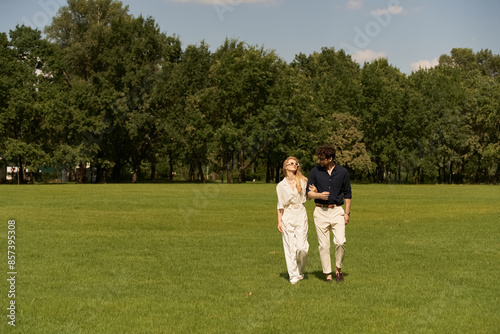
x=330 y=187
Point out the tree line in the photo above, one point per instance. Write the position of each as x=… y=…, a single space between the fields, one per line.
x=110 y=92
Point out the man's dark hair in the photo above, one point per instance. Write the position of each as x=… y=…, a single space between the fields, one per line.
x=326 y=151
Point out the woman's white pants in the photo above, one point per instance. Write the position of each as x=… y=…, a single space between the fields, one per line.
x=295 y=243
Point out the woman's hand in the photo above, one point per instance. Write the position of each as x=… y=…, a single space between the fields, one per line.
x=313 y=193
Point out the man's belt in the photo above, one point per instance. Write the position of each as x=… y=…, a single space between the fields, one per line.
x=330 y=206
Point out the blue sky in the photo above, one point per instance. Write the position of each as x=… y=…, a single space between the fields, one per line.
x=410 y=33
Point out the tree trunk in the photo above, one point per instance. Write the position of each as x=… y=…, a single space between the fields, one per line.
x=241 y=167
x=153 y=171
x=460 y=175
x=269 y=169
x=99 y=174
x=171 y=166
x=21 y=173
x=24 y=175
x=137 y=174
x=277 y=177
x=380 y=173
x=221 y=168
x=450 y=179
x=82 y=172
x=443 y=181
x=230 y=167
x=191 y=172
x=201 y=176
x=230 y=171
x=496 y=179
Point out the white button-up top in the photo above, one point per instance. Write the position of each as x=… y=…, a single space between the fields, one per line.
x=288 y=197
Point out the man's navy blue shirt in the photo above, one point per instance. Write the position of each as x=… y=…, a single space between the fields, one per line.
x=337 y=184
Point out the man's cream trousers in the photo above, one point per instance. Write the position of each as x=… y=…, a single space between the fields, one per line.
x=327 y=219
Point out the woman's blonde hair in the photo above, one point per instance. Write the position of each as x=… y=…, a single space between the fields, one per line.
x=298 y=174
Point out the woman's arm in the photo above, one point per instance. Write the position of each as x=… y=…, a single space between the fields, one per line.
x=280 y=222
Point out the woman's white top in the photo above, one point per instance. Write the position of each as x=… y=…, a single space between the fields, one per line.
x=288 y=197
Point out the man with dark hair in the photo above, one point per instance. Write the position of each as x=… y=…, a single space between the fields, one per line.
x=330 y=187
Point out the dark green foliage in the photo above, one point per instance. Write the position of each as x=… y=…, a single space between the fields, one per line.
x=112 y=92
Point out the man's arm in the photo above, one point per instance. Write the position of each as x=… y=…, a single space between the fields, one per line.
x=348 y=194
x=312 y=191
x=347 y=210
x=311 y=181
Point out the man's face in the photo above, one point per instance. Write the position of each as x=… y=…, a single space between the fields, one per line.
x=324 y=161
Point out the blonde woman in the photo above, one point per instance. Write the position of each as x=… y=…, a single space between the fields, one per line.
x=292 y=218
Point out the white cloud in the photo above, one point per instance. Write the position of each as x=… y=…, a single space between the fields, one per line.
x=232 y=3
x=367 y=55
x=424 y=64
x=354 y=4
x=391 y=10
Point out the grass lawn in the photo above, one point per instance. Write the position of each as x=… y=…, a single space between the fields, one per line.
x=192 y=258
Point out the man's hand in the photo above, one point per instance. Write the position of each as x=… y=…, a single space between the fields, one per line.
x=346 y=219
x=280 y=226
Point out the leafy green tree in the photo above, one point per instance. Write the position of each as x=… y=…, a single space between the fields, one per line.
x=137 y=52
x=284 y=127
x=489 y=63
x=382 y=115
x=241 y=79
x=418 y=114
x=335 y=80
x=439 y=128
x=28 y=109
x=81 y=30
x=476 y=73
x=111 y=61
x=7 y=70
x=348 y=139
x=482 y=117
x=112 y=91
x=182 y=97
x=441 y=125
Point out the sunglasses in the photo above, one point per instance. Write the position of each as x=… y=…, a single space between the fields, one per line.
x=293 y=163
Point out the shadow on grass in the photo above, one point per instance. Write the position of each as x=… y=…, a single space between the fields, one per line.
x=316 y=274
x=286 y=277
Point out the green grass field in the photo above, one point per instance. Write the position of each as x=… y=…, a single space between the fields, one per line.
x=192 y=258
